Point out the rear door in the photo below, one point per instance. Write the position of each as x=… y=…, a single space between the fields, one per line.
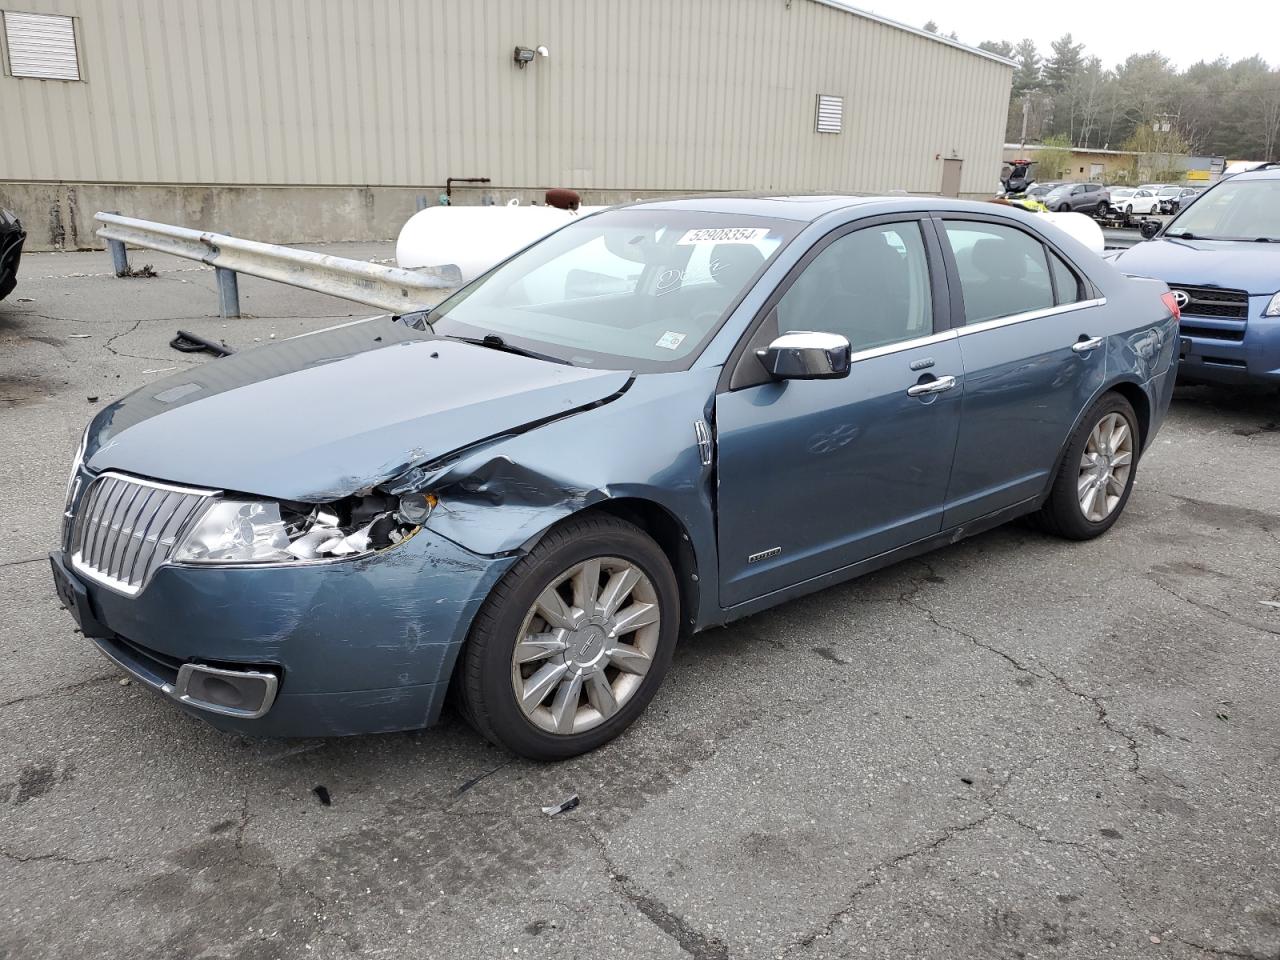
x=1030 y=341
x=814 y=475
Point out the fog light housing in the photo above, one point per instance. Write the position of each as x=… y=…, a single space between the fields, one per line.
x=234 y=693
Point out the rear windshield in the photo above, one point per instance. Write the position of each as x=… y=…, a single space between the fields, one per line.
x=638 y=289
x=1233 y=210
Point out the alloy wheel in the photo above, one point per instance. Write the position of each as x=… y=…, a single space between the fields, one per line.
x=585 y=645
x=1105 y=466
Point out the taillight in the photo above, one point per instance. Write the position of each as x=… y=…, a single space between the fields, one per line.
x=1171 y=302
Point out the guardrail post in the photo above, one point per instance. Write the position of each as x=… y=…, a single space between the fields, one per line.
x=119 y=256
x=228 y=293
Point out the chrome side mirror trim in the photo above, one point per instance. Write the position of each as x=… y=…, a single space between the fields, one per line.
x=807 y=355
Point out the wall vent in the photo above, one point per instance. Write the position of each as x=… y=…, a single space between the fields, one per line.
x=41 y=46
x=830 y=117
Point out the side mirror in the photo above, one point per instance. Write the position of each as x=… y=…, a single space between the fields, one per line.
x=802 y=355
x=1149 y=228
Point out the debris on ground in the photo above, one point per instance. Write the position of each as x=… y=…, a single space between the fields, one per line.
x=80 y=336
x=160 y=370
x=563 y=807
x=92 y=399
x=146 y=271
x=187 y=342
x=322 y=793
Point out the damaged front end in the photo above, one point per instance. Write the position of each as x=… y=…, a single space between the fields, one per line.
x=244 y=530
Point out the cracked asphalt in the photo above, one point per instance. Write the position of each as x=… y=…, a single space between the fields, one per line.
x=1015 y=747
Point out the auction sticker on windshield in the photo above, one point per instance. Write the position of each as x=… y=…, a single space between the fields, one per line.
x=670 y=340
x=724 y=235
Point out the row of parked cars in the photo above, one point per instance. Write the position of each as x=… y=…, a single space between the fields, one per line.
x=1097 y=199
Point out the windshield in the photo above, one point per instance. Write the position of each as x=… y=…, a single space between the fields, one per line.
x=638 y=289
x=1060 y=191
x=1233 y=210
x=1122 y=192
x=1169 y=191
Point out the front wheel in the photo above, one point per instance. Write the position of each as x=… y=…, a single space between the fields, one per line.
x=1097 y=472
x=573 y=642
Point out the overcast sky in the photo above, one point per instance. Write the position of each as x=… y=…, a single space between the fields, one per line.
x=1184 y=32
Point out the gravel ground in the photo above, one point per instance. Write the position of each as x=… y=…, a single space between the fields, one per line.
x=1015 y=747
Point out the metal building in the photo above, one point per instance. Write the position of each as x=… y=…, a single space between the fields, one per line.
x=333 y=119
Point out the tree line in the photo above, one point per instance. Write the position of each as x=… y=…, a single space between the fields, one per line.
x=1212 y=108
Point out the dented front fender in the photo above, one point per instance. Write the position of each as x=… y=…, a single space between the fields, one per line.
x=501 y=497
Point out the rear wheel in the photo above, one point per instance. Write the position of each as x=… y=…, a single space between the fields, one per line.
x=1097 y=472
x=573 y=642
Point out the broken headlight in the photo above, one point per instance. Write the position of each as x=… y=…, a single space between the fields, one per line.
x=266 y=531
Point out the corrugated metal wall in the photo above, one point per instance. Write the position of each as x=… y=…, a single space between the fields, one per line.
x=636 y=95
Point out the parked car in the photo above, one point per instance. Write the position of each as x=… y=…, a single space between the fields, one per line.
x=659 y=418
x=1039 y=191
x=1221 y=257
x=1173 y=199
x=11 y=239
x=1129 y=200
x=1153 y=187
x=1089 y=198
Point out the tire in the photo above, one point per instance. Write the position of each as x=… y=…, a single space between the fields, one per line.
x=1128 y=211
x=487 y=673
x=1063 y=513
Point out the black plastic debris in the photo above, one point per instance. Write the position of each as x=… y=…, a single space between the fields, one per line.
x=563 y=807
x=92 y=399
x=194 y=343
x=322 y=793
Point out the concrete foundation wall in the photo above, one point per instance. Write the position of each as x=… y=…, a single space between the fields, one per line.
x=59 y=216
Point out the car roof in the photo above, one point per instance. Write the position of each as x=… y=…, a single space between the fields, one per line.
x=807 y=209
x=1270 y=172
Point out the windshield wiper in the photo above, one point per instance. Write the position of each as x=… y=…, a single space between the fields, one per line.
x=1183 y=235
x=495 y=342
x=1266 y=240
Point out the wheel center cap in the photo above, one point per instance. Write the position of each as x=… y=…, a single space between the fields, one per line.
x=586 y=647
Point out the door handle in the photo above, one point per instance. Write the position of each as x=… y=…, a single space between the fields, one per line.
x=940 y=385
x=1085 y=346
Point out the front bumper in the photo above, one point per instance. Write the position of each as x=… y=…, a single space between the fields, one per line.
x=1235 y=355
x=356 y=646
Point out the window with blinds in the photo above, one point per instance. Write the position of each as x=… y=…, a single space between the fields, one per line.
x=41 y=46
x=830 y=114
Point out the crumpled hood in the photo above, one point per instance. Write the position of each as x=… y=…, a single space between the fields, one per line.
x=1254 y=267
x=320 y=417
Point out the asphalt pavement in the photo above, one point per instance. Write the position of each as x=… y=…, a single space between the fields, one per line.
x=1014 y=747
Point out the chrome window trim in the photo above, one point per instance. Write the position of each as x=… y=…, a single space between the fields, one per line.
x=999 y=322
x=891 y=348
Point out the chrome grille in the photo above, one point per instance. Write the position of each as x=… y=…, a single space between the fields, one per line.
x=123 y=528
x=1214 y=302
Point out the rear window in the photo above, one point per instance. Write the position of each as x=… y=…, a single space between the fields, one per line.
x=1003 y=271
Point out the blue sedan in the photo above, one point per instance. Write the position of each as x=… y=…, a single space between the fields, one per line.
x=658 y=419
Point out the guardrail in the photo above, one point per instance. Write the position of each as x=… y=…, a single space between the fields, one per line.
x=388 y=288
x=1120 y=239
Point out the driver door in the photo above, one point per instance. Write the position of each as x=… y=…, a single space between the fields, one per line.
x=815 y=475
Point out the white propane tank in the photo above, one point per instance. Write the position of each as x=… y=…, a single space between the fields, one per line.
x=1080 y=227
x=475 y=238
